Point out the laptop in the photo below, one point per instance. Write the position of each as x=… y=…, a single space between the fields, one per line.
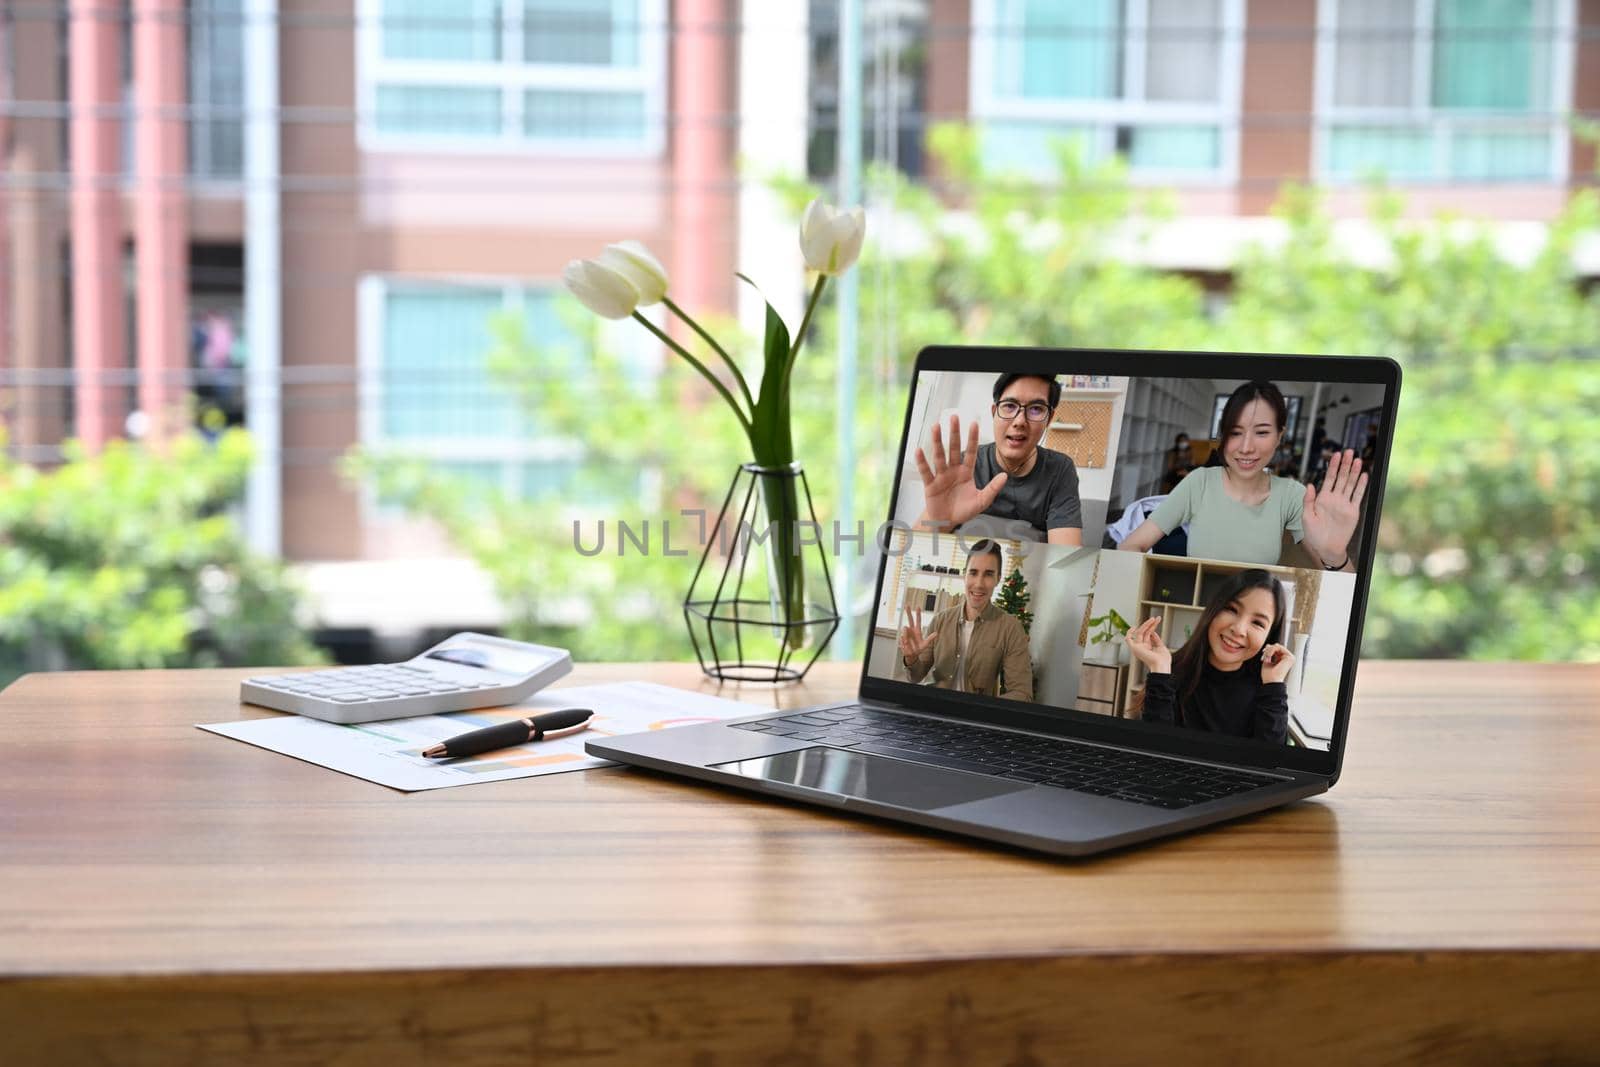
x=1116 y=618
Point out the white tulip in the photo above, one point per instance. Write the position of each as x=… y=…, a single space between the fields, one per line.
x=634 y=262
x=830 y=239
x=603 y=290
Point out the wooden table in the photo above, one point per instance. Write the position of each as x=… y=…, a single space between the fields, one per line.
x=170 y=896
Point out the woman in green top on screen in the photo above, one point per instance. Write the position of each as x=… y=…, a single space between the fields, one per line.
x=1238 y=511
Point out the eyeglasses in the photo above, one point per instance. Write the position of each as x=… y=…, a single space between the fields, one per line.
x=1037 y=411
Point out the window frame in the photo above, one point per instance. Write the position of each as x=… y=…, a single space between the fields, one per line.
x=1425 y=117
x=988 y=106
x=512 y=79
x=512 y=453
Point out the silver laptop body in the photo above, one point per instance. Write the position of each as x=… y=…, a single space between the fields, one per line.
x=1090 y=760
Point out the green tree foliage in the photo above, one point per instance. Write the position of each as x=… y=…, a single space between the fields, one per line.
x=658 y=450
x=131 y=558
x=1490 y=545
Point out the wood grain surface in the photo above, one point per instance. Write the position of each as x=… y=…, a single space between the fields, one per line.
x=168 y=895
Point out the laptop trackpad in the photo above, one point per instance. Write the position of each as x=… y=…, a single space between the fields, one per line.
x=877 y=778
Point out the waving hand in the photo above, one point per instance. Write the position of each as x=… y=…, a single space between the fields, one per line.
x=947 y=483
x=912 y=641
x=1330 y=516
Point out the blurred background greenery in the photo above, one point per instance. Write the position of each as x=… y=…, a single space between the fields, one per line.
x=131 y=558
x=433 y=416
x=1490 y=540
x=1489 y=545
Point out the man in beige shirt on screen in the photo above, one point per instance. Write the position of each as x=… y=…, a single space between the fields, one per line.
x=972 y=646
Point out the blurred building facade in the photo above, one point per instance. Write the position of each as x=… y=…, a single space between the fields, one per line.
x=441 y=160
x=1467 y=104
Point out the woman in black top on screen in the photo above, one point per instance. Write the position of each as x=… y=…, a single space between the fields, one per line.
x=1228 y=678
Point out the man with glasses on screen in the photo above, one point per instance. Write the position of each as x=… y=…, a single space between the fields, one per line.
x=1032 y=491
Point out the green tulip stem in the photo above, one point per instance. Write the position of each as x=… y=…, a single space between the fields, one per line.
x=716 y=382
x=805 y=321
x=738 y=375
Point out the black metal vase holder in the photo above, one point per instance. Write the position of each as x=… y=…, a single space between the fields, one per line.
x=744 y=621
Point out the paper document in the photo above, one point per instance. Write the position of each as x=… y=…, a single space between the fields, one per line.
x=390 y=752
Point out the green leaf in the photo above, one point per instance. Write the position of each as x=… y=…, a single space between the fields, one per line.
x=770 y=433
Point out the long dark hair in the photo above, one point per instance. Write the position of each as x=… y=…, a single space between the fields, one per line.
x=1233 y=411
x=1188 y=662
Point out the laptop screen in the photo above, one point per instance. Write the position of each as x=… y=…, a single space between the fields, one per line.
x=1136 y=550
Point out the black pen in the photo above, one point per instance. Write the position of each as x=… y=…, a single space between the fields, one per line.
x=516 y=732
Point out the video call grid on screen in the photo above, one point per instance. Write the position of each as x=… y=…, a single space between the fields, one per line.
x=1120 y=511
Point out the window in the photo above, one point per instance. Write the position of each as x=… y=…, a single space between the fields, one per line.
x=1444 y=90
x=1156 y=81
x=216 y=89
x=427 y=390
x=571 y=76
x=894 y=84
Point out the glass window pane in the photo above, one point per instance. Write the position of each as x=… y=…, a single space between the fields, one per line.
x=1500 y=155
x=1195 y=148
x=1373 y=53
x=1393 y=151
x=435 y=378
x=1184 y=52
x=476 y=477
x=1032 y=148
x=1050 y=50
x=434 y=109
x=1483 y=55
x=546 y=327
x=584 y=115
x=595 y=32
x=560 y=478
x=216 y=88
x=547 y=321
x=458 y=30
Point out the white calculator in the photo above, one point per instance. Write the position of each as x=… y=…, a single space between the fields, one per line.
x=465 y=671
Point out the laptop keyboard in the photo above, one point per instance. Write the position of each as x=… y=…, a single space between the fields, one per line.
x=1104 y=772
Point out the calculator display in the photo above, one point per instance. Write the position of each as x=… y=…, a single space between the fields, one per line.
x=489 y=657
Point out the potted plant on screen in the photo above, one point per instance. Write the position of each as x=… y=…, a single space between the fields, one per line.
x=747 y=608
x=1106 y=637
